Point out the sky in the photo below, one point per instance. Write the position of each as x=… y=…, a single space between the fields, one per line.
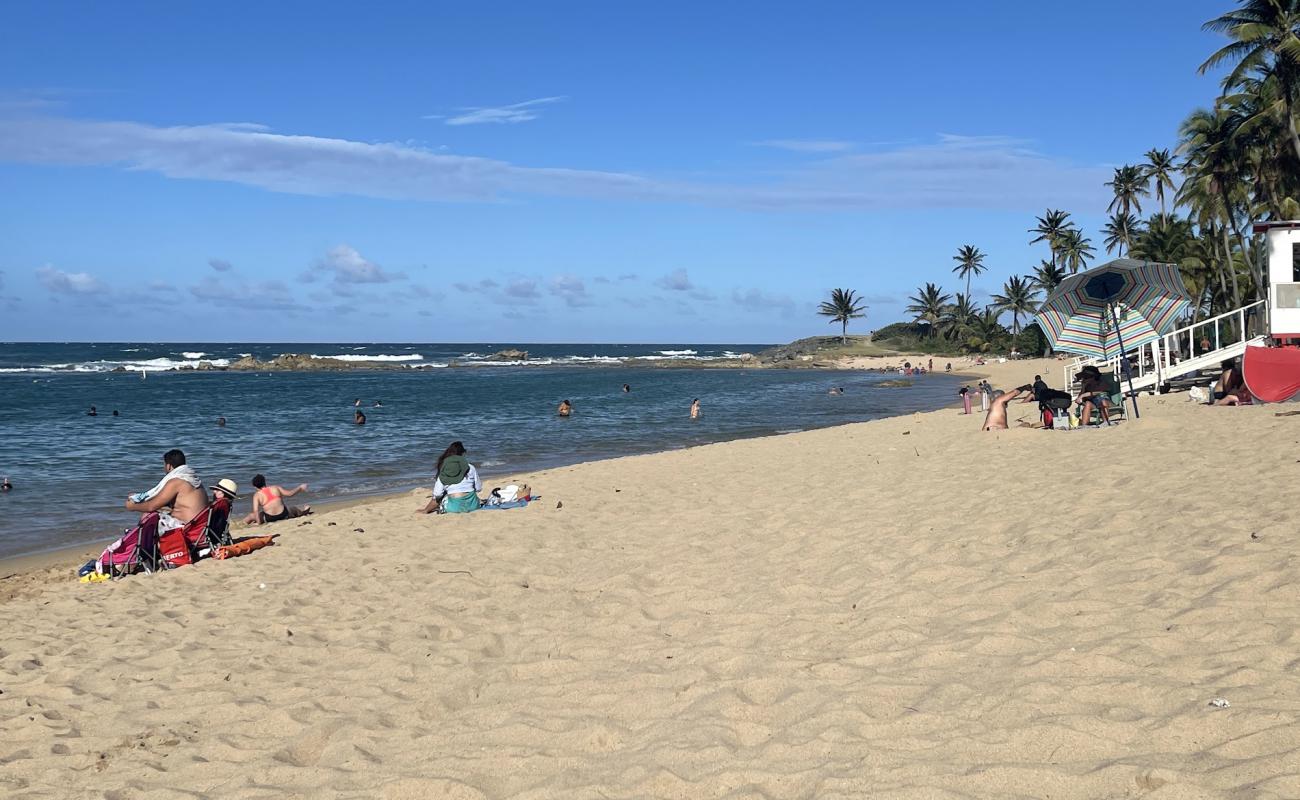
x=554 y=172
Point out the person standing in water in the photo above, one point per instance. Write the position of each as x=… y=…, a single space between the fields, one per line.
x=359 y=418
x=565 y=408
x=695 y=408
x=5 y=485
x=627 y=388
x=92 y=412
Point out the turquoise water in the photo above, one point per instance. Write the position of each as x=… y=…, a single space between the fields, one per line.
x=72 y=472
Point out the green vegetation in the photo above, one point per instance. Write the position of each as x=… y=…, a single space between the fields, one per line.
x=1235 y=162
x=842 y=307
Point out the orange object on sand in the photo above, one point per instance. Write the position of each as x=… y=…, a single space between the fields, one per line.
x=243 y=548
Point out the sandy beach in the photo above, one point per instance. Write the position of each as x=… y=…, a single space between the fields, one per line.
x=901 y=608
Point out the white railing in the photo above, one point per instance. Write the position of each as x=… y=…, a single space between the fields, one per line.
x=1180 y=351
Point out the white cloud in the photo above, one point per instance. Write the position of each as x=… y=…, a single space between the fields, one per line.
x=807 y=145
x=71 y=283
x=350 y=267
x=988 y=172
x=500 y=115
x=522 y=289
x=679 y=281
x=760 y=301
x=676 y=281
x=260 y=296
x=219 y=264
x=572 y=289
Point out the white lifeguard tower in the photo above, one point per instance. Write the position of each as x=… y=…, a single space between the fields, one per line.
x=1282 y=242
x=1272 y=367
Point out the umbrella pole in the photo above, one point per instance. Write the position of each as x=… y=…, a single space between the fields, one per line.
x=1123 y=359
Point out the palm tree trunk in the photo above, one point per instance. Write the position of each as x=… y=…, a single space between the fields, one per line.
x=1232 y=272
x=1290 y=119
x=844 y=332
x=1260 y=292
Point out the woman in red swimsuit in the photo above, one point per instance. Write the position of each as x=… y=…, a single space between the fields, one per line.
x=269 y=505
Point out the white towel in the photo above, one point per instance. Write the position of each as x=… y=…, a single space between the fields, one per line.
x=183 y=473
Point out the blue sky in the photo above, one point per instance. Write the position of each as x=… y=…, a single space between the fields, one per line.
x=582 y=171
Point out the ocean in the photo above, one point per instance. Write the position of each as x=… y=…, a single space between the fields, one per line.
x=71 y=472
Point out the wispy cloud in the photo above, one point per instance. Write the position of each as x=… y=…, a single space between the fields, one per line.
x=758 y=300
x=499 y=115
x=679 y=281
x=571 y=289
x=57 y=281
x=985 y=172
x=270 y=295
x=219 y=264
x=350 y=267
x=807 y=145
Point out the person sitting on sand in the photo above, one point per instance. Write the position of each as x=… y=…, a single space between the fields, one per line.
x=695 y=408
x=180 y=490
x=269 y=505
x=565 y=408
x=359 y=418
x=1231 y=389
x=1093 y=393
x=456 y=487
x=996 y=419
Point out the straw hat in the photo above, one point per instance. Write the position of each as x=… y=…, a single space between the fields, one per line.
x=228 y=486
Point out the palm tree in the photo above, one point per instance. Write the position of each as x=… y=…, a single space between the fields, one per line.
x=1158 y=168
x=1019 y=296
x=843 y=306
x=1050 y=227
x=1130 y=186
x=1075 y=250
x=1265 y=38
x=1120 y=230
x=958 y=317
x=928 y=304
x=1048 y=276
x=970 y=261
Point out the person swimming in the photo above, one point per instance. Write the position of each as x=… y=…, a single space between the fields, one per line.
x=695 y=408
x=221 y=422
x=565 y=408
x=92 y=412
x=835 y=391
x=627 y=387
x=5 y=485
x=356 y=403
x=378 y=404
x=115 y=413
x=359 y=418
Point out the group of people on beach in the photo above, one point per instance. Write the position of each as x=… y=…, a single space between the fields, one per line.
x=180 y=496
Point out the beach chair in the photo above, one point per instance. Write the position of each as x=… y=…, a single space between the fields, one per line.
x=135 y=551
x=209 y=529
x=1116 y=396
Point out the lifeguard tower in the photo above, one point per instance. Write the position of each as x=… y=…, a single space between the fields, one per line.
x=1272 y=366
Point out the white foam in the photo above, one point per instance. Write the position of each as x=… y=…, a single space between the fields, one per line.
x=679 y=352
x=194 y=355
x=381 y=357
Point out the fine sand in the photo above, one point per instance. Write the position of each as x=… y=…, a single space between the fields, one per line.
x=907 y=608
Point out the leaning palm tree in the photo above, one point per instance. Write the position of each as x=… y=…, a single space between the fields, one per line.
x=1050 y=227
x=1019 y=296
x=1129 y=186
x=1075 y=250
x=1265 y=38
x=970 y=261
x=1158 y=169
x=843 y=306
x=1120 y=231
x=928 y=305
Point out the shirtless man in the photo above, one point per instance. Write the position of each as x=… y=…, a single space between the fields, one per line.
x=269 y=505
x=997 y=416
x=180 y=490
x=565 y=408
x=695 y=408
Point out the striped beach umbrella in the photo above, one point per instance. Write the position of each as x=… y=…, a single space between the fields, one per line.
x=1113 y=308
